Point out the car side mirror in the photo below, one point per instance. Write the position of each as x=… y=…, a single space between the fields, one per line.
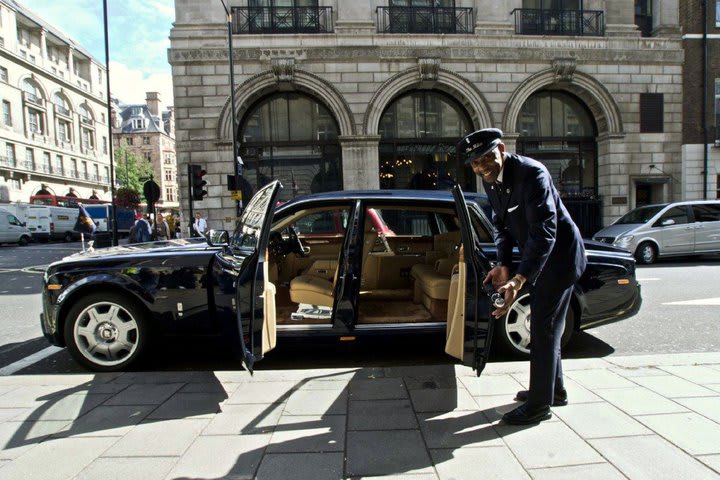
x=667 y=222
x=218 y=238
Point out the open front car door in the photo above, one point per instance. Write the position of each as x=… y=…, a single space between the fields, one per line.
x=254 y=293
x=469 y=329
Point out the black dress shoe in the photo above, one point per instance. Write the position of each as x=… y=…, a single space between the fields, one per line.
x=560 y=399
x=527 y=414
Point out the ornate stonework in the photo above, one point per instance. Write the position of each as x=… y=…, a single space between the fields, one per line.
x=429 y=68
x=283 y=69
x=564 y=69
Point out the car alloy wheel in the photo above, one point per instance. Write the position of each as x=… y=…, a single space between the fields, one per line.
x=105 y=332
x=514 y=327
x=646 y=253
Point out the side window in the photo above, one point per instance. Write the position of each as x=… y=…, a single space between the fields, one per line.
x=12 y=220
x=678 y=214
x=328 y=222
x=706 y=213
x=407 y=222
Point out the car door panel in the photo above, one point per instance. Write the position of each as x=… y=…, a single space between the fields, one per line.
x=677 y=238
x=707 y=227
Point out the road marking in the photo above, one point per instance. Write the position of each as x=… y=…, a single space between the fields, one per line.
x=703 y=301
x=29 y=360
x=648 y=279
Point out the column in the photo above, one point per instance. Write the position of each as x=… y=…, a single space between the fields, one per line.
x=355 y=18
x=620 y=18
x=494 y=18
x=43 y=47
x=71 y=64
x=360 y=159
x=666 y=17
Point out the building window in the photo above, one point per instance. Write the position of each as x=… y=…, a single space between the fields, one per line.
x=106 y=179
x=169 y=194
x=146 y=140
x=29 y=159
x=10 y=152
x=717 y=13
x=73 y=168
x=15 y=184
x=168 y=175
x=84 y=170
x=138 y=123
x=97 y=172
x=59 y=165
x=88 y=139
x=147 y=156
x=105 y=145
x=129 y=140
x=47 y=168
x=7 y=113
x=651 y=113
x=717 y=106
x=63 y=131
x=35 y=121
x=4 y=74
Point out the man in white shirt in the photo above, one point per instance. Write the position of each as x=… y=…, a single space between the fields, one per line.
x=200 y=225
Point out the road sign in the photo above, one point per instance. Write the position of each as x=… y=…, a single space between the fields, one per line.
x=236 y=195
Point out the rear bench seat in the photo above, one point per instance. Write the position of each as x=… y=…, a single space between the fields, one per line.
x=431 y=280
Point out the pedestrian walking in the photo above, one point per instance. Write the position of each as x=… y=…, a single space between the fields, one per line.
x=200 y=225
x=162 y=228
x=528 y=212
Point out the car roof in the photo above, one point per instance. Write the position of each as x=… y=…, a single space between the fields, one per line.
x=414 y=195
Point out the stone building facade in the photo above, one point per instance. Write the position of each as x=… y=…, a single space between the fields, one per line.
x=701 y=139
x=149 y=133
x=53 y=128
x=355 y=96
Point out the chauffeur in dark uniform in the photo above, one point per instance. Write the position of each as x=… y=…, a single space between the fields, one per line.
x=528 y=212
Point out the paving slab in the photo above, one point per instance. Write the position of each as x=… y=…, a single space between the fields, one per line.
x=487 y=463
x=714 y=387
x=60 y=380
x=317 y=402
x=381 y=415
x=11 y=413
x=368 y=453
x=161 y=438
x=64 y=407
x=651 y=458
x=159 y=378
x=458 y=429
x=312 y=433
x=598 y=420
x=430 y=383
x=231 y=457
x=442 y=400
x=17 y=438
x=131 y=468
x=640 y=401
x=630 y=372
x=699 y=374
x=493 y=407
x=33 y=396
x=145 y=394
x=673 y=387
x=533 y=449
x=598 y=378
x=107 y=421
x=712 y=461
x=49 y=460
x=706 y=406
x=189 y=405
x=378 y=389
x=657 y=360
x=211 y=387
x=692 y=432
x=323 y=384
x=492 y=385
x=317 y=466
x=262 y=392
x=593 y=471
x=245 y=419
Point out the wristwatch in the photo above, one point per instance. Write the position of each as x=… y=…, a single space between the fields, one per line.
x=518 y=281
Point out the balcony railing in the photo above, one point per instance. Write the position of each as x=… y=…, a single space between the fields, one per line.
x=87 y=121
x=424 y=20
x=7 y=162
x=530 y=21
x=32 y=98
x=62 y=110
x=256 y=20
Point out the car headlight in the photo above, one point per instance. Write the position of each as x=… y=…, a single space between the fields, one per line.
x=624 y=240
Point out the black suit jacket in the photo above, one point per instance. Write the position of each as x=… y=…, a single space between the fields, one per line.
x=528 y=212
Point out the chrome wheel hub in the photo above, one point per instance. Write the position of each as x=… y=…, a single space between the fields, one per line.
x=106 y=333
x=517 y=324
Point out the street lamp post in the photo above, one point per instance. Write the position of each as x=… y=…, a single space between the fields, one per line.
x=113 y=216
x=237 y=162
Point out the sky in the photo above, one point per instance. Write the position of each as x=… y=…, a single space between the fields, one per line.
x=138 y=33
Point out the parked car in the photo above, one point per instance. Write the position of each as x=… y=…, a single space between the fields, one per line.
x=12 y=230
x=52 y=223
x=668 y=229
x=338 y=264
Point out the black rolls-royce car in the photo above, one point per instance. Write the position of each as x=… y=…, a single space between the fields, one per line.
x=340 y=264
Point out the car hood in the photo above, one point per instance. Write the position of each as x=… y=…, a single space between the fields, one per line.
x=617 y=230
x=169 y=246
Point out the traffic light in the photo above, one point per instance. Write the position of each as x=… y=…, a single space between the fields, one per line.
x=196 y=177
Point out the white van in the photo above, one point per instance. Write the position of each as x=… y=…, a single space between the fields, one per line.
x=12 y=230
x=668 y=229
x=52 y=223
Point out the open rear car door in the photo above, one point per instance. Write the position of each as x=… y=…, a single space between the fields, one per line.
x=255 y=294
x=469 y=330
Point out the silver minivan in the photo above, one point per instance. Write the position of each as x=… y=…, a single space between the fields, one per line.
x=13 y=230
x=680 y=228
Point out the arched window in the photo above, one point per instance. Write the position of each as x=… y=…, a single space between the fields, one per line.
x=291 y=137
x=85 y=113
x=60 y=101
x=417 y=147
x=30 y=87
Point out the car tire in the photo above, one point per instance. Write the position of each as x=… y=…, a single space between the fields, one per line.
x=68 y=237
x=24 y=240
x=106 y=332
x=512 y=330
x=646 y=253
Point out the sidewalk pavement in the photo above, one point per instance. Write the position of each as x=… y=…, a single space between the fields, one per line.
x=635 y=417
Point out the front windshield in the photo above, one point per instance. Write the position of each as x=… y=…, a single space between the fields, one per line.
x=247 y=233
x=640 y=215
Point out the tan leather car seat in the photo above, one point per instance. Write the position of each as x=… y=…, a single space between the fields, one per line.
x=314 y=290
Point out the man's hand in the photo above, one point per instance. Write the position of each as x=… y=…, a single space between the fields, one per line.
x=499 y=276
x=510 y=292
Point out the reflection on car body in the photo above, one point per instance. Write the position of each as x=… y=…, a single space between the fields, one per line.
x=336 y=264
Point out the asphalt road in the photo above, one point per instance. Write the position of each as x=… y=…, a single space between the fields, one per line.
x=679 y=314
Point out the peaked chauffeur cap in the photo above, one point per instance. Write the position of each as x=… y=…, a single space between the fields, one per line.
x=478 y=143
